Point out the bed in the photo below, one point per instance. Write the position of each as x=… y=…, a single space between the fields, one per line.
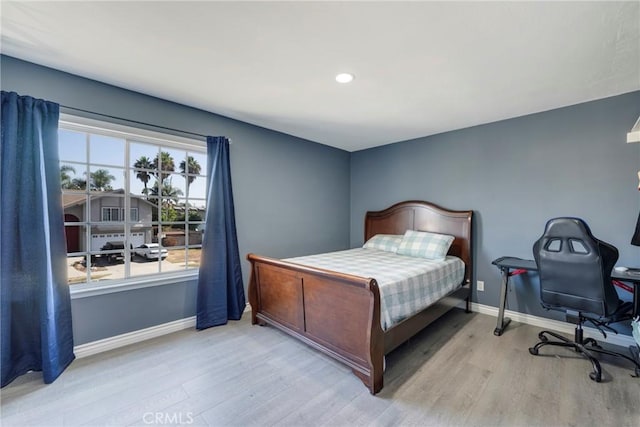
x=340 y=313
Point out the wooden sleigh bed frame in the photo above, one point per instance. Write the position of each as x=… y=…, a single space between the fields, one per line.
x=339 y=314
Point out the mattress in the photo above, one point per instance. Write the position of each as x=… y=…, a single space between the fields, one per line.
x=407 y=284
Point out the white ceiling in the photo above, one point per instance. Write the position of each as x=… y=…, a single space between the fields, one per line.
x=421 y=67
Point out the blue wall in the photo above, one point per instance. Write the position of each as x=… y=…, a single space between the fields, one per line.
x=516 y=174
x=291 y=195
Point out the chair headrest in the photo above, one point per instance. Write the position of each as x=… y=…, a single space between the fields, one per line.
x=568 y=227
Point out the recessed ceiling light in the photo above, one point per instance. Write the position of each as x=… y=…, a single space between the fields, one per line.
x=344 y=77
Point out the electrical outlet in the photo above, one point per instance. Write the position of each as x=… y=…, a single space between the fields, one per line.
x=480 y=286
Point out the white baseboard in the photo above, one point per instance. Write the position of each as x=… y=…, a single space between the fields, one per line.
x=94 y=347
x=556 y=325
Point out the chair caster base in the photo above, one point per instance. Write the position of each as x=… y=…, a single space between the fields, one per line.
x=595 y=376
x=533 y=350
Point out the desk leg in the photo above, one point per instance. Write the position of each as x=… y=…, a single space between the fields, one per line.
x=635 y=354
x=502 y=321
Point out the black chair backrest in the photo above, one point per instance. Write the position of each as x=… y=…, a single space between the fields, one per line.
x=575 y=268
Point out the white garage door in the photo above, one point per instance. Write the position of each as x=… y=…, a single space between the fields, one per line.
x=99 y=240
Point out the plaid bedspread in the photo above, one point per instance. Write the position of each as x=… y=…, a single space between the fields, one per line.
x=407 y=284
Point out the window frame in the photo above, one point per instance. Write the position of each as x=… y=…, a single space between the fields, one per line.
x=139 y=135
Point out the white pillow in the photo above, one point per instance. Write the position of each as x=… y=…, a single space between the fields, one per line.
x=423 y=244
x=384 y=242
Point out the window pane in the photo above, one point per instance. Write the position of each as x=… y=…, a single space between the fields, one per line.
x=142 y=261
x=168 y=212
x=106 y=179
x=184 y=258
x=179 y=258
x=149 y=209
x=193 y=235
x=178 y=158
x=154 y=258
x=107 y=237
x=172 y=187
x=75 y=236
x=107 y=267
x=142 y=182
x=72 y=146
x=187 y=212
x=175 y=186
x=193 y=256
x=76 y=269
x=141 y=266
x=73 y=176
x=201 y=160
x=142 y=155
x=173 y=237
x=102 y=271
x=106 y=150
x=196 y=211
x=74 y=205
x=198 y=188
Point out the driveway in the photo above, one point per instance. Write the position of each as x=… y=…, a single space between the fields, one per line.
x=104 y=271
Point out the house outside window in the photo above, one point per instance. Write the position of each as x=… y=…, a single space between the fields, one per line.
x=107 y=170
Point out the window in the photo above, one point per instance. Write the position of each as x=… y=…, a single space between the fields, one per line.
x=133 y=214
x=110 y=214
x=108 y=170
x=117 y=214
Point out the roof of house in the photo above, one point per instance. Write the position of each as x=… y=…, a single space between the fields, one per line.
x=72 y=198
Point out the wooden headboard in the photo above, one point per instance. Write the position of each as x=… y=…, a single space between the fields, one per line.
x=425 y=216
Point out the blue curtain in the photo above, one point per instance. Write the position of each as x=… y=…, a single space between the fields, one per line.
x=220 y=288
x=36 y=332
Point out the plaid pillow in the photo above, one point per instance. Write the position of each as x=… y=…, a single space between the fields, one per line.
x=384 y=242
x=423 y=244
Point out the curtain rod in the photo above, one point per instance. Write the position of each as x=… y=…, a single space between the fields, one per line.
x=64 y=107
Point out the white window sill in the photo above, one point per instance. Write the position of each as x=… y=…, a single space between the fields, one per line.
x=102 y=288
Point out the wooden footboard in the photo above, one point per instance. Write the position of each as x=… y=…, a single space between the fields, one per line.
x=336 y=313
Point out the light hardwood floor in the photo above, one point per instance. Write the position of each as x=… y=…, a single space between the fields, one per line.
x=454 y=373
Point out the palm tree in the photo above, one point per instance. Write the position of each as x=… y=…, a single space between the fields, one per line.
x=141 y=167
x=190 y=166
x=101 y=180
x=167 y=191
x=65 y=178
x=163 y=165
x=168 y=195
x=78 y=184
